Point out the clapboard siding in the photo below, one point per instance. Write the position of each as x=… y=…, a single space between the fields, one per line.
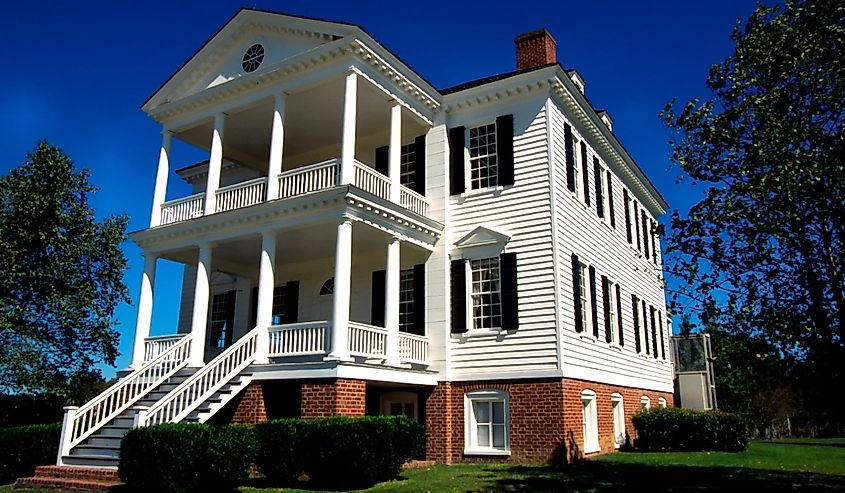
x=523 y=212
x=581 y=231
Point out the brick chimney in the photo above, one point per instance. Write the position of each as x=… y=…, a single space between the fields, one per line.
x=535 y=49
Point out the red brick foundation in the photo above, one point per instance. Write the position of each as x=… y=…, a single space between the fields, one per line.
x=545 y=418
x=341 y=397
x=251 y=408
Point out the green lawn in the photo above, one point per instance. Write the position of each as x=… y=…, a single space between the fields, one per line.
x=770 y=467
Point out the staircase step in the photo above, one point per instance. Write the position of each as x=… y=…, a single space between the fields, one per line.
x=99 y=450
x=71 y=472
x=90 y=460
x=66 y=484
x=105 y=441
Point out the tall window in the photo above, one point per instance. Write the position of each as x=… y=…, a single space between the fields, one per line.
x=576 y=168
x=590 y=421
x=486 y=293
x=610 y=310
x=618 y=419
x=486 y=422
x=406 y=300
x=222 y=319
x=483 y=163
x=407 y=160
x=585 y=297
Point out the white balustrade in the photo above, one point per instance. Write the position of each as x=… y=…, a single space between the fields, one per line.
x=298 y=339
x=410 y=199
x=116 y=399
x=153 y=346
x=182 y=209
x=413 y=348
x=372 y=181
x=367 y=341
x=240 y=195
x=182 y=400
x=308 y=179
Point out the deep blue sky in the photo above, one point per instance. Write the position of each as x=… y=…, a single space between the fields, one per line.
x=76 y=73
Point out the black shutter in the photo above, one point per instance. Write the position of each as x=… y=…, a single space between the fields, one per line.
x=653 y=332
x=605 y=292
x=377 y=300
x=635 y=303
x=610 y=199
x=662 y=340
x=253 y=308
x=653 y=241
x=619 y=315
x=599 y=192
x=457 y=184
x=231 y=297
x=291 y=315
x=585 y=172
x=627 y=216
x=510 y=299
x=645 y=327
x=459 y=296
x=570 y=159
x=419 y=300
x=504 y=149
x=594 y=301
x=645 y=232
x=383 y=160
x=419 y=165
x=576 y=291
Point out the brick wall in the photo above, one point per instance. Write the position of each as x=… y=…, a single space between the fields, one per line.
x=251 y=408
x=341 y=397
x=545 y=418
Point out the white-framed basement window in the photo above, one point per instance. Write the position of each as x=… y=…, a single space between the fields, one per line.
x=661 y=402
x=618 y=406
x=483 y=158
x=591 y=422
x=645 y=402
x=486 y=423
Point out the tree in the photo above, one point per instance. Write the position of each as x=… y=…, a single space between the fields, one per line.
x=762 y=253
x=60 y=278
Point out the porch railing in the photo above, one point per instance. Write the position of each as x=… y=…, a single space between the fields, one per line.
x=410 y=199
x=153 y=346
x=367 y=341
x=308 y=179
x=299 y=339
x=116 y=399
x=242 y=194
x=372 y=181
x=413 y=348
x=182 y=209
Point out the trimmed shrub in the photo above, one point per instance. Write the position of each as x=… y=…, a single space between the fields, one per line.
x=187 y=457
x=279 y=454
x=685 y=429
x=24 y=447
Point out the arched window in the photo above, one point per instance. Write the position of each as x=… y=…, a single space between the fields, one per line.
x=328 y=287
x=618 y=406
x=645 y=402
x=661 y=402
x=590 y=420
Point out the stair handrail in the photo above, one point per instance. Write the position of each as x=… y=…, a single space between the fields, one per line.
x=126 y=392
x=196 y=389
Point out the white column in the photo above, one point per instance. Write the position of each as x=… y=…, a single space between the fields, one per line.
x=342 y=281
x=395 y=152
x=266 y=283
x=199 y=321
x=277 y=144
x=391 y=302
x=145 y=309
x=215 y=163
x=350 y=110
x=161 y=178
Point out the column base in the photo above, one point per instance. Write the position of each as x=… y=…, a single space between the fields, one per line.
x=340 y=358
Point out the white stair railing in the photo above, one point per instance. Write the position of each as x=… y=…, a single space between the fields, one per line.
x=196 y=389
x=367 y=340
x=116 y=399
x=308 y=179
x=303 y=338
x=241 y=195
x=153 y=346
x=372 y=181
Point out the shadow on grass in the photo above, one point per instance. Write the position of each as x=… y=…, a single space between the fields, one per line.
x=806 y=443
x=599 y=476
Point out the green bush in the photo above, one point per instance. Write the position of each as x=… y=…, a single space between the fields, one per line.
x=688 y=430
x=24 y=447
x=279 y=454
x=187 y=457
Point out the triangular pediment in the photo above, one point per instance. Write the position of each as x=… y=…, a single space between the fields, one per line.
x=482 y=236
x=221 y=59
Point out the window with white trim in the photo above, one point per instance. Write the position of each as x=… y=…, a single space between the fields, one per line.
x=406 y=300
x=661 y=402
x=486 y=293
x=577 y=168
x=612 y=312
x=618 y=406
x=483 y=160
x=586 y=308
x=486 y=423
x=407 y=162
x=645 y=402
x=590 y=421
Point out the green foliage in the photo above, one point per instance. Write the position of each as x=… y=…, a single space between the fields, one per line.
x=679 y=429
x=24 y=447
x=762 y=254
x=187 y=457
x=60 y=279
x=280 y=444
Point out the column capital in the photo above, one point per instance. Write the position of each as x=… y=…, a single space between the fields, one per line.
x=345 y=218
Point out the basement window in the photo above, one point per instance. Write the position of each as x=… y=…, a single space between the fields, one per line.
x=486 y=423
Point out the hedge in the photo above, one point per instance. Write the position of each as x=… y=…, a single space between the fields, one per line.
x=280 y=446
x=689 y=430
x=187 y=457
x=24 y=447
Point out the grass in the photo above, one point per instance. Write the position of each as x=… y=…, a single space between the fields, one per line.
x=772 y=467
